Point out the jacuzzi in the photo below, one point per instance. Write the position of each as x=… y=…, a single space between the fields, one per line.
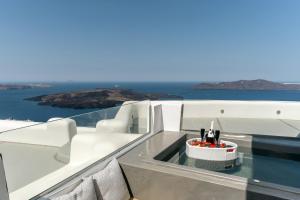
x=274 y=160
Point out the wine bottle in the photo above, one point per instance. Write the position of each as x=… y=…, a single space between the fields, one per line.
x=217 y=135
x=202 y=132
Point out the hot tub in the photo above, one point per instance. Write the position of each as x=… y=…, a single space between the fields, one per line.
x=274 y=160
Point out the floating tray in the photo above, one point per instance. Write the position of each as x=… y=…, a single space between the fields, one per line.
x=212 y=153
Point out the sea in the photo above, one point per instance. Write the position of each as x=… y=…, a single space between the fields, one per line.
x=13 y=105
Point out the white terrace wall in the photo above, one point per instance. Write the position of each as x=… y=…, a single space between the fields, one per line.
x=242 y=109
x=172 y=111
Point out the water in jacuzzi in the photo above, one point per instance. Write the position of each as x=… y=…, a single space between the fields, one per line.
x=260 y=166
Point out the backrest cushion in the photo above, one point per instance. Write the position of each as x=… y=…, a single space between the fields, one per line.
x=110 y=182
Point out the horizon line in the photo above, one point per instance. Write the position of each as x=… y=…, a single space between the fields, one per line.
x=130 y=81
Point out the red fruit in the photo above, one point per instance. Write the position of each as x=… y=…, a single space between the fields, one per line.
x=196 y=143
x=212 y=145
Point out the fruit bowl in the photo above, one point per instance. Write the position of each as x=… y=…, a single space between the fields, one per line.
x=224 y=151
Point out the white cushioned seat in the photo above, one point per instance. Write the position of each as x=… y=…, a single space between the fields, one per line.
x=112 y=126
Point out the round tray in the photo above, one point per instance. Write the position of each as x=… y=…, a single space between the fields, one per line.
x=211 y=153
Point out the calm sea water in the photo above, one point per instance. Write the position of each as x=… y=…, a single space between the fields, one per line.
x=13 y=105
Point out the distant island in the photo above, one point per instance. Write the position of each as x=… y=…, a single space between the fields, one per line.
x=23 y=86
x=97 y=98
x=258 y=84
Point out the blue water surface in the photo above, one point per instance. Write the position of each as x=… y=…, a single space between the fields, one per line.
x=13 y=105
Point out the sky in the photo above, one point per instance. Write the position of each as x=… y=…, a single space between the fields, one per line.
x=157 y=40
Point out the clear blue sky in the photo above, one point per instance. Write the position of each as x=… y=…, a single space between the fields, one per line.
x=136 y=40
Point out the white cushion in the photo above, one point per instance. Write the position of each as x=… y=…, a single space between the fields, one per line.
x=111 y=183
x=112 y=126
x=84 y=191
